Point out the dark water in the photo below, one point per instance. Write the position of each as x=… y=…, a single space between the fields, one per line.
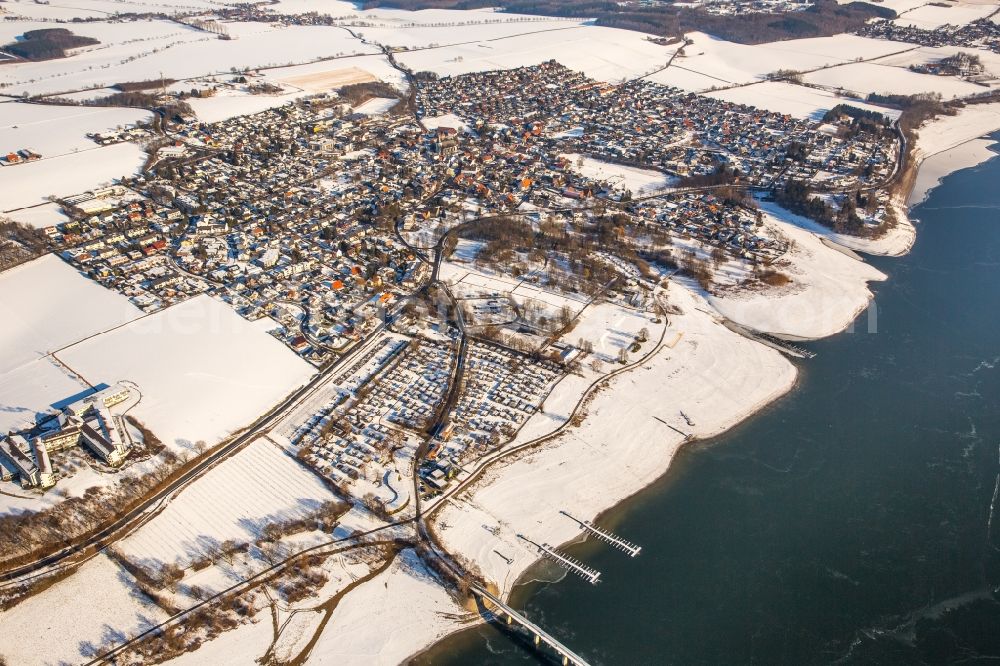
x=848 y=523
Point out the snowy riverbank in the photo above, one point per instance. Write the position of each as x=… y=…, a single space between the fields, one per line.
x=714 y=376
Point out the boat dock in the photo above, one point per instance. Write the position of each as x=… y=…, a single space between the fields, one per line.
x=616 y=541
x=592 y=576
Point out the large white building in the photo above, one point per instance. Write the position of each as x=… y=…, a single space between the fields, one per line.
x=88 y=421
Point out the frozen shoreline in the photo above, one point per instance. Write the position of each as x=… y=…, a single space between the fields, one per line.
x=944 y=146
x=952 y=143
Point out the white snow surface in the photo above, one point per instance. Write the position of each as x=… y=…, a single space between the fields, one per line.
x=605 y=54
x=957 y=135
x=52 y=130
x=203 y=370
x=828 y=289
x=234 y=500
x=376 y=106
x=66 y=624
x=713 y=375
x=46 y=304
x=407 y=599
x=228 y=104
x=795 y=100
x=723 y=62
x=639 y=181
x=126 y=54
x=445 y=120
x=868 y=77
x=931 y=16
x=29 y=184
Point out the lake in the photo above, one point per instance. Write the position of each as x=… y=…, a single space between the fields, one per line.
x=851 y=522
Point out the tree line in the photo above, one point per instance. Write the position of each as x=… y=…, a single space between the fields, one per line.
x=47 y=44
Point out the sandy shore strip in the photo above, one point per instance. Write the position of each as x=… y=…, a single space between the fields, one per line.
x=951 y=143
x=935 y=167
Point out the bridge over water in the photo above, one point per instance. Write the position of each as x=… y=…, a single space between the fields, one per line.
x=502 y=610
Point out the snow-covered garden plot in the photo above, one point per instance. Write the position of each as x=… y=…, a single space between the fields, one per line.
x=203 y=370
x=798 y=101
x=31 y=183
x=97 y=606
x=606 y=54
x=377 y=106
x=639 y=181
x=234 y=500
x=863 y=78
x=51 y=130
x=46 y=304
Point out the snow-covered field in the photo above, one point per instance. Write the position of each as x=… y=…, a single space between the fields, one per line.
x=445 y=120
x=928 y=54
x=328 y=79
x=319 y=76
x=99 y=605
x=462 y=27
x=827 y=290
x=46 y=304
x=228 y=104
x=234 y=500
x=866 y=77
x=34 y=388
x=31 y=183
x=40 y=216
x=722 y=62
x=713 y=375
x=931 y=16
x=376 y=106
x=203 y=370
x=602 y=53
x=69 y=9
x=611 y=328
x=140 y=51
x=798 y=101
x=70 y=161
x=406 y=598
x=55 y=130
x=638 y=181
